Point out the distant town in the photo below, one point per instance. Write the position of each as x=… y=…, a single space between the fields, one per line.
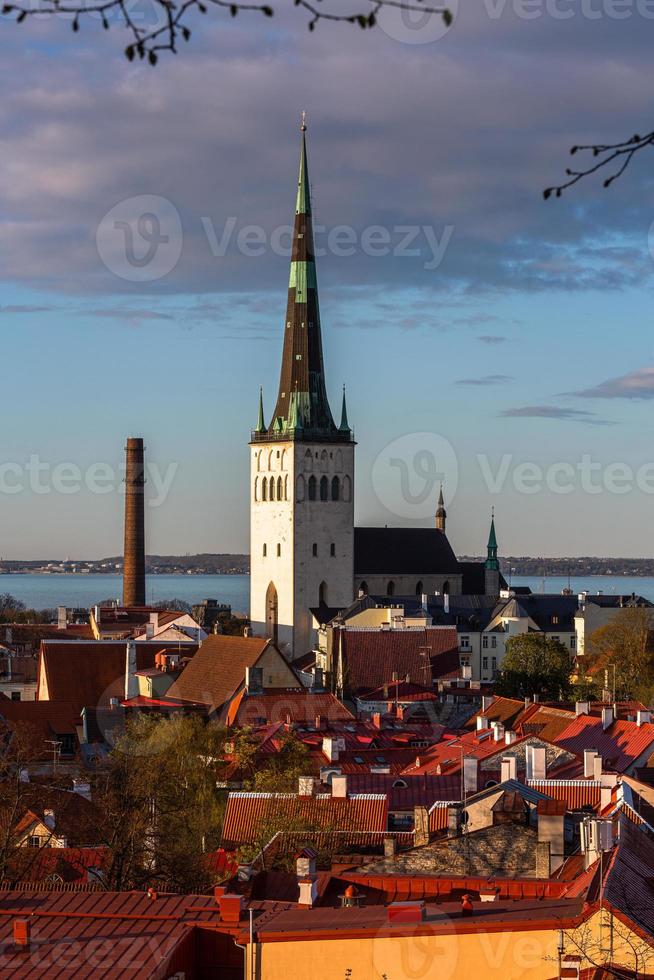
x=239 y=564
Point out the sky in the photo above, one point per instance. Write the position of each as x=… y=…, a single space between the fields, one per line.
x=485 y=337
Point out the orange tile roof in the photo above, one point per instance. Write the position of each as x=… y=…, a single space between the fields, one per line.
x=620 y=745
x=294 y=705
x=218 y=669
x=248 y=814
x=88 y=674
x=372 y=656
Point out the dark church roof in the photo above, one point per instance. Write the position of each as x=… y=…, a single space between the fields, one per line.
x=403 y=551
x=474 y=578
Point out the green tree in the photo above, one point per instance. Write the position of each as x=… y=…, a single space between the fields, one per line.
x=535 y=664
x=624 y=646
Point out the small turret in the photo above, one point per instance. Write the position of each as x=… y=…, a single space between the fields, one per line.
x=441 y=513
x=261 y=425
x=492 y=565
x=345 y=425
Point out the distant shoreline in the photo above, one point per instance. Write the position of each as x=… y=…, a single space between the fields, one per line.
x=239 y=564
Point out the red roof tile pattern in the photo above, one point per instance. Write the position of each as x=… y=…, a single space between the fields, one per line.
x=576 y=793
x=248 y=814
x=504 y=710
x=290 y=706
x=407 y=792
x=45 y=719
x=88 y=674
x=372 y=656
x=620 y=745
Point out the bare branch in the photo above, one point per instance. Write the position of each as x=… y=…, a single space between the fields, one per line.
x=622 y=152
x=149 y=41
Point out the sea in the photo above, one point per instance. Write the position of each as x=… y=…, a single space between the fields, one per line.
x=51 y=590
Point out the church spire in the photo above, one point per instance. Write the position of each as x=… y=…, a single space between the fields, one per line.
x=302 y=392
x=492 y=562
x=261 y=425
x=441 y=513
x=345 y=425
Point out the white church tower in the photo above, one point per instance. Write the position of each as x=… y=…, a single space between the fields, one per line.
x=302 y=471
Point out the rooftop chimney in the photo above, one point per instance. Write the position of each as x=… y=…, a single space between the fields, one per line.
x=643 y=718
x=536 y=762
x=470 y=774
x=308 y=891
x=607 y=718
x=49 y=819
x=230 y=907
x=582 y=708
x=330 y=748
x=134 y=560
x=509 y=768
x=305 y=785
x=339 y=787
x=589 y=763
x=21 y=933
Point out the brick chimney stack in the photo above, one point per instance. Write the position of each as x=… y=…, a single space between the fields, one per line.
x=134 y=558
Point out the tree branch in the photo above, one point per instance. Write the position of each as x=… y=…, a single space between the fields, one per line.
x=149 y=41
x=605 y=154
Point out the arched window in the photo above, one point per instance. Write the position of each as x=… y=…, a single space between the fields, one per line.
x=446 y=588
x=390 y=588
x=324 y=461
x=308 y=461
x=284 y=460
x=322 y=593
x=419 y=587
x=335 y=488
x=271 y=612
x=264 y=489
x=324 y=488
x=363 y=588
x=279 y=550
x=346 y=489
x=256 y=488
x=259 y=460
x=332 y=550
x=265 y=550
x=312 y=487
x=286 y=487
x=280 y=488
x=270 y=460
x=300 y=488
x=271 y=488
x=314 y=550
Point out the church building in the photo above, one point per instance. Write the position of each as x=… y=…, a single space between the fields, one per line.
x=305 y=553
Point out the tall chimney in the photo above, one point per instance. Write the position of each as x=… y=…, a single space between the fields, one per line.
x=134 y=560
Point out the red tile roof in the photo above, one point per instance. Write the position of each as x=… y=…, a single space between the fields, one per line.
x=45 y=719
x=372 y=656
x=249 y=814
x=504 y=710
x=296 y=706
x=413 y=791
x=576 y=793
x=620 y=745
x=88 y=674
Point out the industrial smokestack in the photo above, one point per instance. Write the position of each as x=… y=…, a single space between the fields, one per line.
x=134 y=558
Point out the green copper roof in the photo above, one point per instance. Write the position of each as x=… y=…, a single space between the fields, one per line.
x=345 y=425
x=492 y=540
x=492 y=562
x=303 y=199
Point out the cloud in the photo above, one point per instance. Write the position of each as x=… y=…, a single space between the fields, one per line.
x=491 y=339
x=488 y=379
x=637 y=384
x=552 y=412
x=13 y=308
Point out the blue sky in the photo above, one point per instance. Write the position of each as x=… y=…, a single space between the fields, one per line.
x=530 y=340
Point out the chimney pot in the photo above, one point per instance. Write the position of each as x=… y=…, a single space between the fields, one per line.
x=339 y=787
x=21 y=932
x=230 y=907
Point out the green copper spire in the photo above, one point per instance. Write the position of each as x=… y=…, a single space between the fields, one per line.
x=261 y=425
x=345 y=425
x=492 y=563
x=303 y=199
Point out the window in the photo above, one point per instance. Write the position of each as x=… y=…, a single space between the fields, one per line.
x=34 y=841
x=15 y=695
x=484 y=642
x=324 y=488
x=312 y=488
x=314 y=550
x=280 y=488
x=493 y=642
x=573 y=642
x=271 y=488
x=484 y=663
x=322 y=594
x=332 y=550
x=265 y=550
x=465 y=642
x=494 y=663
x=556 y=639
x=390 y=588
x=279 y=550
x=335 y=488
x=555 y=620
x=264 y=489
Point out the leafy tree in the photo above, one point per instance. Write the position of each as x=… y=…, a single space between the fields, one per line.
x=9 y=606
x=535 y=664
x=623 y=645
x=176 y=605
